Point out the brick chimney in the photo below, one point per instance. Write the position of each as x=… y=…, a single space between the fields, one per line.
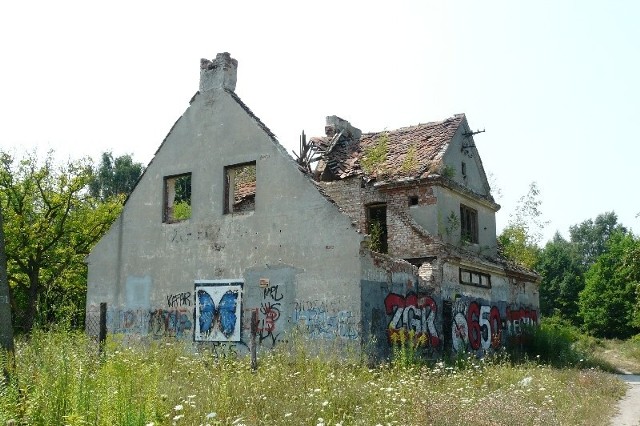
x=220 y=73
x=336 y=124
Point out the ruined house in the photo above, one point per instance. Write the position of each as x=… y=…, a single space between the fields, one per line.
x=363 y=237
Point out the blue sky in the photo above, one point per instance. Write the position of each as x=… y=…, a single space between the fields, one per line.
x=554 y=84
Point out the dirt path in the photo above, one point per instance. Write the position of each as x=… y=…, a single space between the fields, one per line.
x=629 y=406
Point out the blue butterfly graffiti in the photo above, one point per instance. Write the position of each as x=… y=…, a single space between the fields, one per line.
x=224 y=317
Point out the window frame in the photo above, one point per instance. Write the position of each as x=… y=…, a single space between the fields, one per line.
x=483 y=279
x=228 y=206
x=384 y=241
x=468 y=224
x=167 y=213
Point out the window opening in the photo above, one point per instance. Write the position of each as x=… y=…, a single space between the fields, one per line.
x=413 y=200
x=474 y=278
x=464 y=172
x=240 y=188
x=377 y=227
x=468 y=224
x=177 y=198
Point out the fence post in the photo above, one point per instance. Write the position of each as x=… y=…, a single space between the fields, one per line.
x=254 y=331
x=102 y=333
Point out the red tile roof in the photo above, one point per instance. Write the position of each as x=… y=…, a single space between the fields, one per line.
x=411 y=152
x=243 y=191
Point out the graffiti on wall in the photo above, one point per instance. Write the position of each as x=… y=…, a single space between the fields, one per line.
x=218 y=311
x=321 y=321
x=412 y=313
x=172 y=322
x=179 y=299
x=475 y=326
x=268 y=315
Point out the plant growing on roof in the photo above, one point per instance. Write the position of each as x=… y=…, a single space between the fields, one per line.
x=410 y=162
x=448 y=171
x=375 y=156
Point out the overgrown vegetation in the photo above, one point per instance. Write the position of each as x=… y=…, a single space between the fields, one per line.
x=374 y=158
x=592 y=280
x=410 y=161
x=60 y=379
x=51 y=222
x=376 y=236
x=449 y=171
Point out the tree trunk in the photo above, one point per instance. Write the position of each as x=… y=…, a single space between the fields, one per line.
x=6 y=328
x=32 y=307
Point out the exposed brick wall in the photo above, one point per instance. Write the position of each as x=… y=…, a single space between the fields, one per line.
x=405 y=239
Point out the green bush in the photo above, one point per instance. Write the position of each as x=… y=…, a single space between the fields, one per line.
x=558 y=343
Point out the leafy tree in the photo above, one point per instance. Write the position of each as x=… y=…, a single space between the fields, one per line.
x=591 y=236
x=608 y=299
x=520 y=238
x=561 y=271
x=6 y=330
x=51 y=224
x=114 y=176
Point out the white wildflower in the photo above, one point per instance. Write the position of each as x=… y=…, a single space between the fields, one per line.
x=211 y=415
x=526 y=381
x=178 y=407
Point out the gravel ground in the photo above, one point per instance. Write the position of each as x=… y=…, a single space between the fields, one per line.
x=629 y=406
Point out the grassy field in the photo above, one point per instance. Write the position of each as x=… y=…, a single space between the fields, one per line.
x=60 y=380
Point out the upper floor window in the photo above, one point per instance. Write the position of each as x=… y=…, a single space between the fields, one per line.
x=240 y=188
x=177 y=198
x=468 y=224
x=464 y=172
x=377 y=227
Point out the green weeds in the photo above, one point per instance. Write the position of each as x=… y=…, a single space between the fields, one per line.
x=60 y=379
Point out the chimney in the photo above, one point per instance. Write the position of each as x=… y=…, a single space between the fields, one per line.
x=336 y=124
x=220 y=73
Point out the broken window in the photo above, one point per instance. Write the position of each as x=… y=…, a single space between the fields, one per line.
x=177 y=198
x=240 y=188
x=468 y=224
x=377 y=227
x=464 y=172
x=474 y=278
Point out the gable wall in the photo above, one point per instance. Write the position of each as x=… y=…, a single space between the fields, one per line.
x=463 y=149
x=145 y=269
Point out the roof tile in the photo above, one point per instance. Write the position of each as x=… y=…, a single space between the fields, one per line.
x=413 y=151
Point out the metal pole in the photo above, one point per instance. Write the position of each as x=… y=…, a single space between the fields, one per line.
x=102 y=334
x=254 y=332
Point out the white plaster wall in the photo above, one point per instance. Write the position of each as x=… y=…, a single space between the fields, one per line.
x=449 y=202
x=463 y=149
x=503 y=288
x=142 y=260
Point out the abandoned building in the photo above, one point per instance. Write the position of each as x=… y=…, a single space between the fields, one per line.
x=361 y=237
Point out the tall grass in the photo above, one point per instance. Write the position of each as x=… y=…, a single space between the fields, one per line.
x=557 y=343
x=60 y=379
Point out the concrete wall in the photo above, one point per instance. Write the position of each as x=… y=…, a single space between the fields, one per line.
x=448 y=217
x=462 y=149
x=448 y=318
x=293 y=254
